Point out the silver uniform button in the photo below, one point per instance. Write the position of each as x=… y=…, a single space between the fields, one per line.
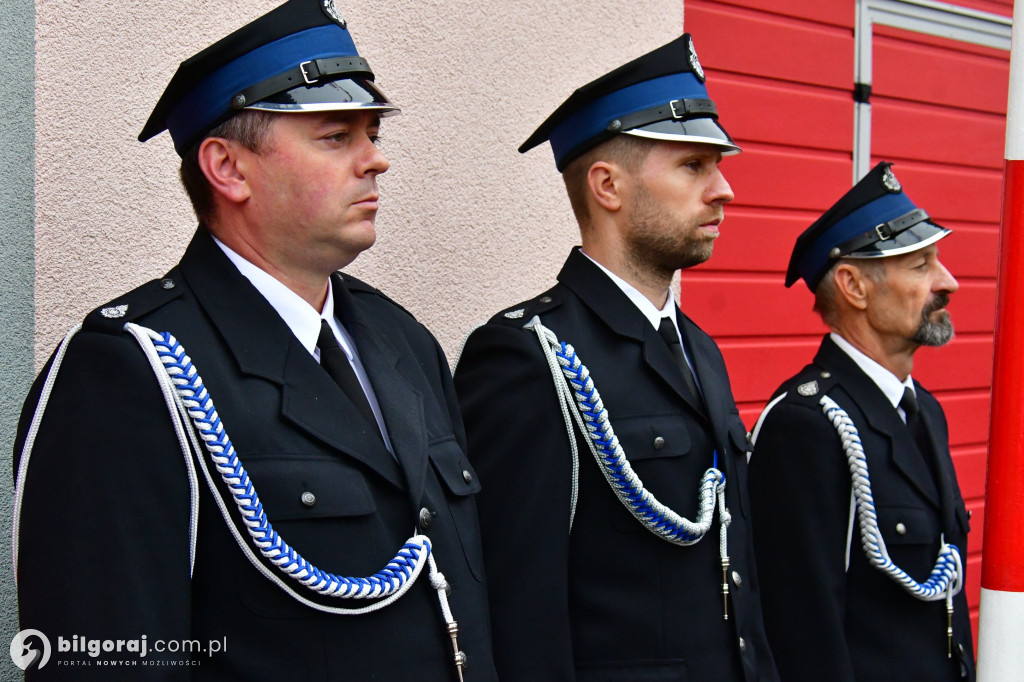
x=743 y=646
x=737 y=579
x=826 y=375
x=901 y=529
x=308 y=499
x=466 y=476
x=167 y=283
x=426 y=518
x=545 y=299
x=659 y=443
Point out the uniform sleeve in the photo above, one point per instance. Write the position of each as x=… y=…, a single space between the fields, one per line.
x=519 y=446
x=800 y=498
x=104 y=541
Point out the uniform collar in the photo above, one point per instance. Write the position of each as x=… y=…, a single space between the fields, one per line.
x=643 y=304
x=886 y=381
x=301 y=318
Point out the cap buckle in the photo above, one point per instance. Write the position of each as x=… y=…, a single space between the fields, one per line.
x=310 y=80
x=675 y=113
x=884 y=232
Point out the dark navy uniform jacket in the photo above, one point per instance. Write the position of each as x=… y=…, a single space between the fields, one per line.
x=826 y=622
x=105 y=526
x=610 y=601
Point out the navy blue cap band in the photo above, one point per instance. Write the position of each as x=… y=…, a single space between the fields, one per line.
x=210 y=100
x=591 y=121
x=816 y=258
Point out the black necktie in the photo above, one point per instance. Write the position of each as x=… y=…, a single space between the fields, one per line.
x=915 y=424
x=335 y=362
x=668 y=332
x=930 y=453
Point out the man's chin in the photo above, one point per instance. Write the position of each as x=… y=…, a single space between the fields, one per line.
x=937 y=331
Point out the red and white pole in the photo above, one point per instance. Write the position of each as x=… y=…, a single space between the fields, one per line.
x=1001 y=629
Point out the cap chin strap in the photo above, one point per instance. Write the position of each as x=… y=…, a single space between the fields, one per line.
x=678 y=109
x=310 y=73
x=880 y=233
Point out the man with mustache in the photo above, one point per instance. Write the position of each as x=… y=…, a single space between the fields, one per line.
x=860 y=529
x=324 y=529
x=592 y=573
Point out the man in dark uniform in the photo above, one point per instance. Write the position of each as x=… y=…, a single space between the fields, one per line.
x=850 y=527
x=345 y=437
x=593 y=576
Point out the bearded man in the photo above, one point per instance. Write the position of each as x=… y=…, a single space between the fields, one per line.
x=861 y=532
x=596 y=574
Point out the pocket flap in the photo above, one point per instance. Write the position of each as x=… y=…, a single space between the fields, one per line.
x=309 y=487
x=738 y=436
x=651 y=437
x=908 y=525
x=453 y=467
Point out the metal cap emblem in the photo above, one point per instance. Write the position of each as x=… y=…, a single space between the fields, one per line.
x=114 y=312
x=694 y=62
x=808 y=389
x=890 y=182
x=331 y=10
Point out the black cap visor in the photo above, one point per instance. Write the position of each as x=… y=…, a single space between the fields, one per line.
x=338 y=95
x=703 y=130
x=912 y=239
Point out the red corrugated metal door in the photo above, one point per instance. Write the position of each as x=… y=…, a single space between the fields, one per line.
x=783 y=73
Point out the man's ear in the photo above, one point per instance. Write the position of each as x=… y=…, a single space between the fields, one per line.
x=223 y=163
x=605 y=182
x=852 y=285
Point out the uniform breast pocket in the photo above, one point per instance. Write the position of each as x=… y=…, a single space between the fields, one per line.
x=460 y=483
x=908 y=525
x=323 y=508
x=661 y=452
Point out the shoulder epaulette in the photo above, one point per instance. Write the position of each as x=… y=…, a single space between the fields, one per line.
x=522 y=313
x=358 y=286
x=810 y=384
x=111 y=317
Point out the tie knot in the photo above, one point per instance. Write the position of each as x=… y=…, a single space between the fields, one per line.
x=668 y=332
x=327 y=340
x=909 y=401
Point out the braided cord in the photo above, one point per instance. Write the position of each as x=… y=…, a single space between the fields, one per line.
x=30 y=439
x=33 y=431
x=392 y=580
x=946 y=578
x=611 y=458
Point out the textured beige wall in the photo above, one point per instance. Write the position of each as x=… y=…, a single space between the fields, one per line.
x=467 y=225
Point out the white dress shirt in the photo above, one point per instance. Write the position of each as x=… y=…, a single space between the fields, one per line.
x=304 y=321
x=888 y=382
x=650 y=311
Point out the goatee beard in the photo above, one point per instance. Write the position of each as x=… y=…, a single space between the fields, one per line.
x=935 y=333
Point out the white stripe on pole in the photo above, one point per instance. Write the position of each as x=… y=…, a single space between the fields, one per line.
x=1001 y=657
x=1015 y=102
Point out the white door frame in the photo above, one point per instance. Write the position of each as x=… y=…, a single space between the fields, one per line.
x=922 y=16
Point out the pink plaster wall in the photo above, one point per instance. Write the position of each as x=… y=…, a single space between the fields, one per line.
x=467 y=225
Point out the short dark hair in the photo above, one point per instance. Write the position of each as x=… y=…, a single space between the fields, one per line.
x=248 y=128
x=825 y=293
x=628 y=151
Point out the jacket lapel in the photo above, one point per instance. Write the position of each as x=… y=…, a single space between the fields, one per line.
x=264 y=346
x=718 y=400
x=943 y=463
x=401 y=404
x=881 y=417
x=614 y=308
